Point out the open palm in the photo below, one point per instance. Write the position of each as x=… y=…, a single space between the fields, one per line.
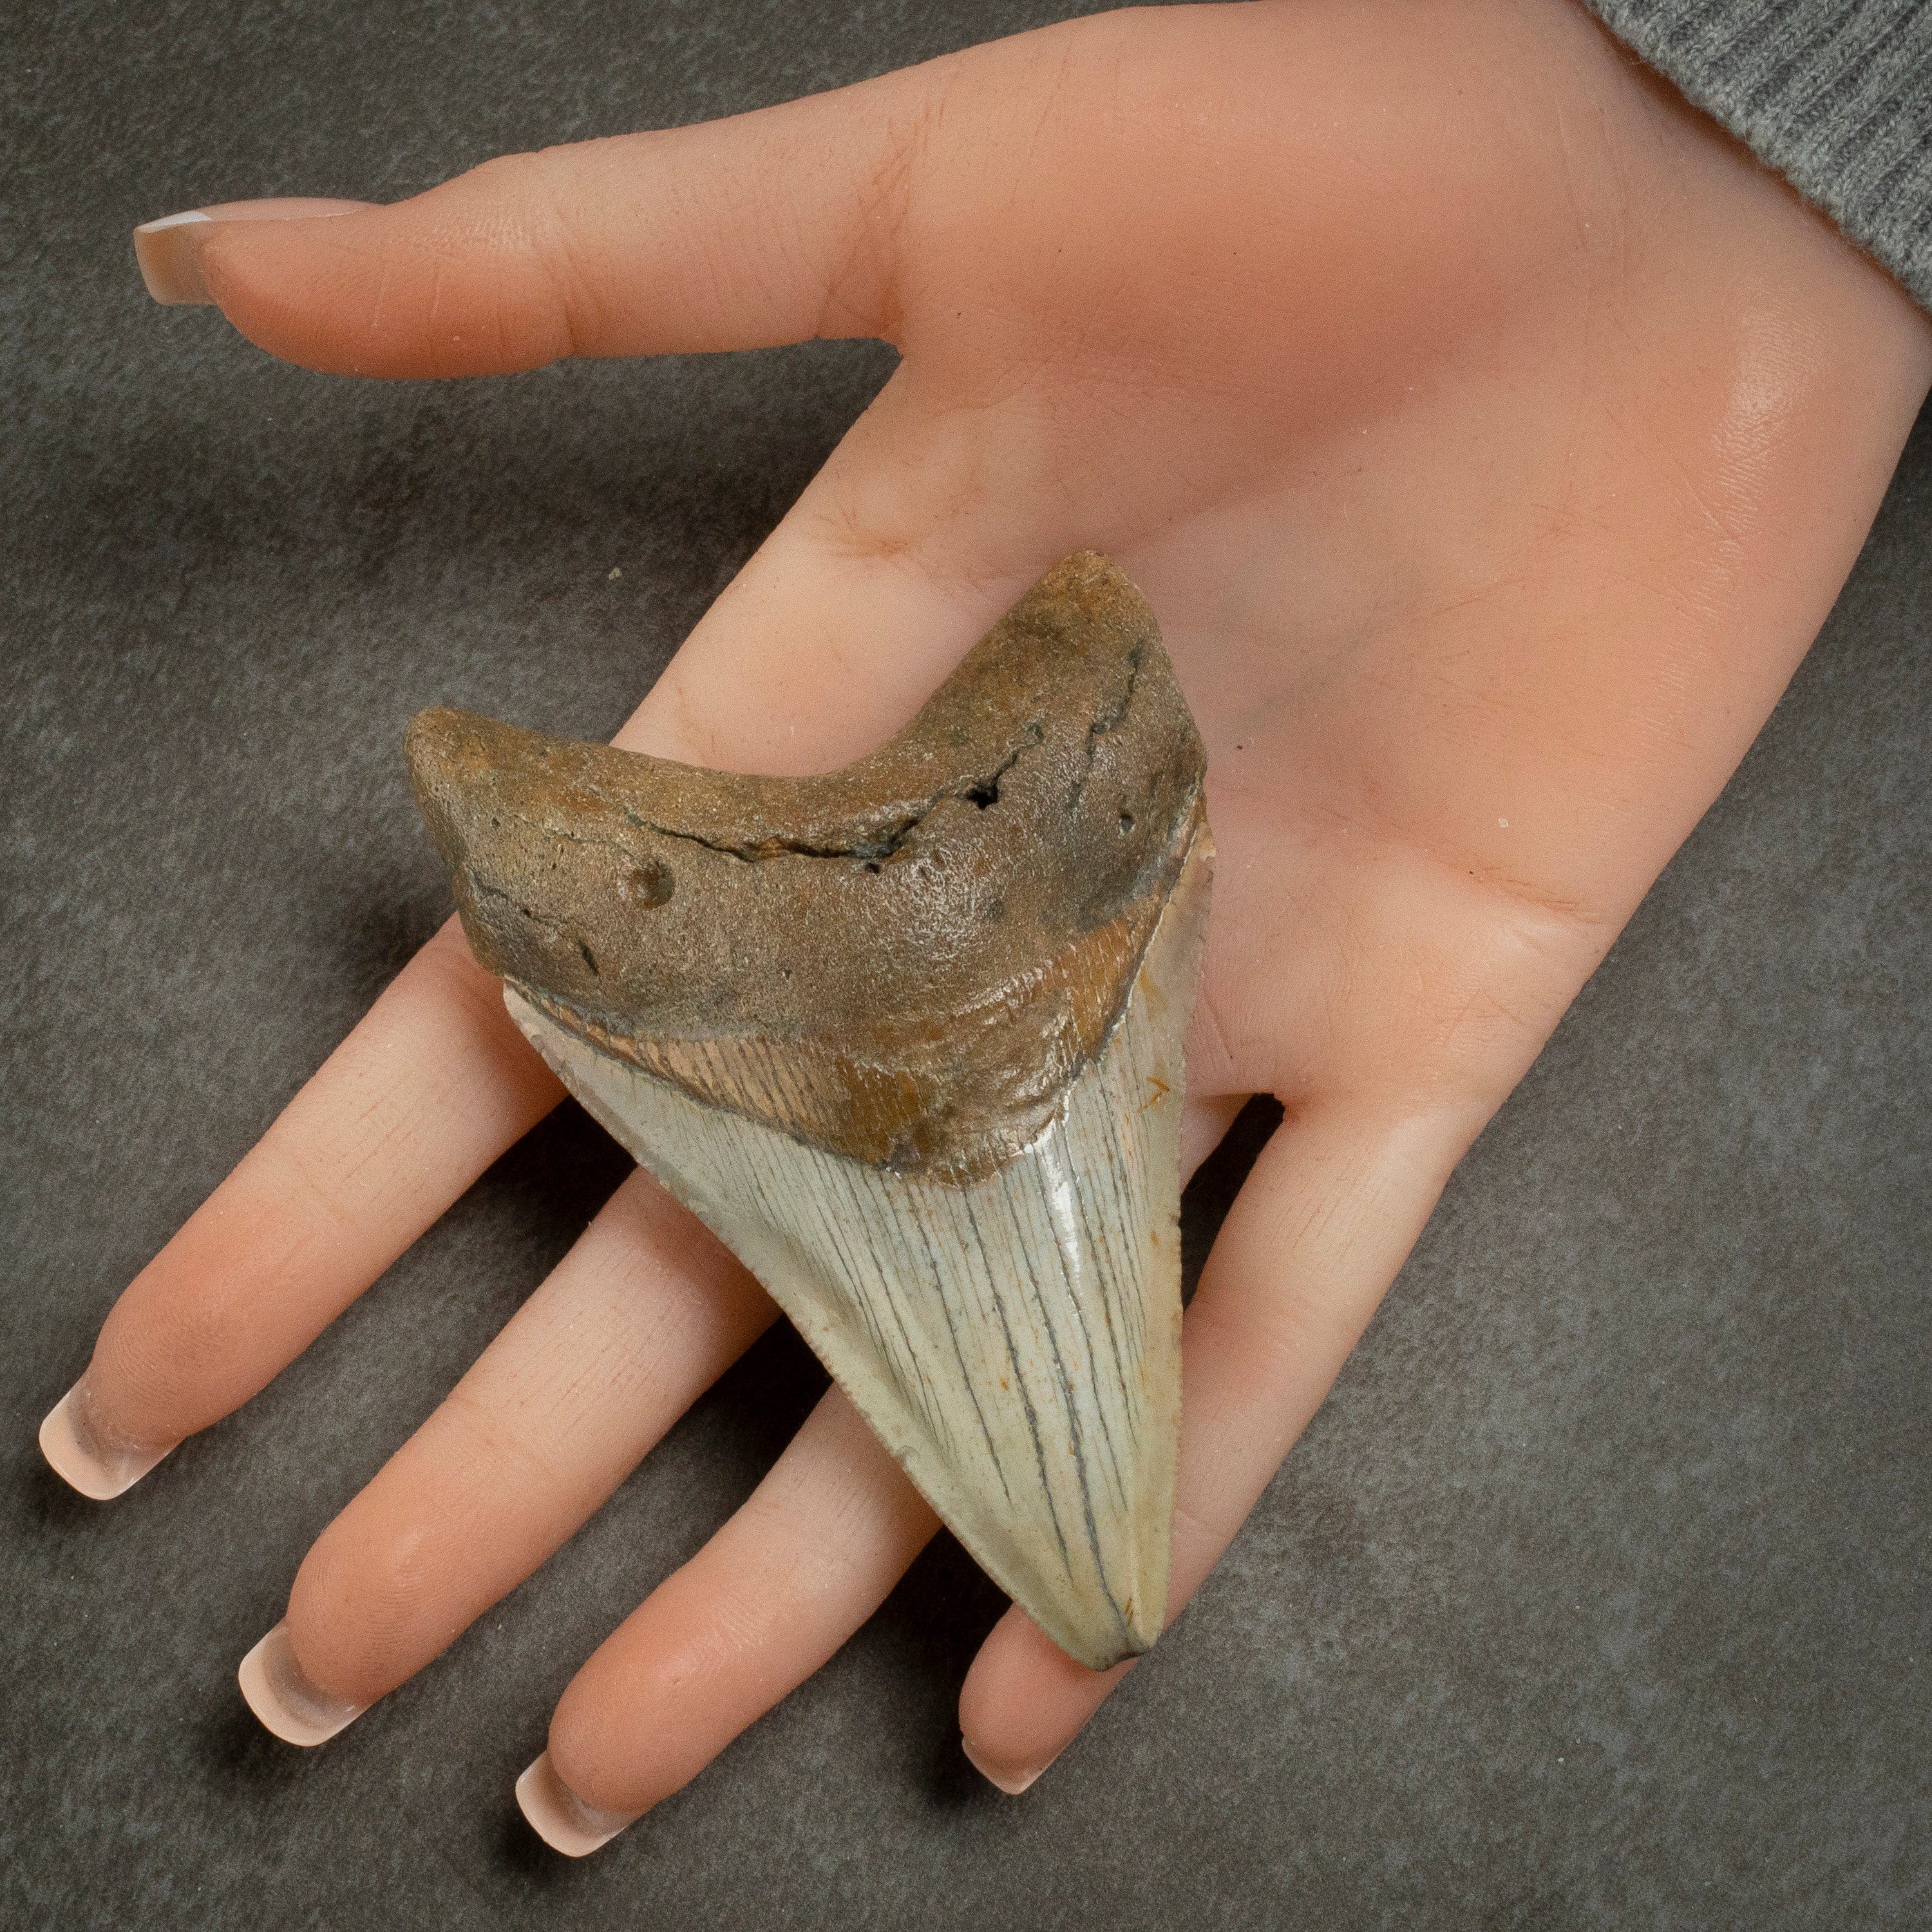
x=1491 y=437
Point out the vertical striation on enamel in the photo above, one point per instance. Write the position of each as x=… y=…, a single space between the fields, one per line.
x=1015 y=1341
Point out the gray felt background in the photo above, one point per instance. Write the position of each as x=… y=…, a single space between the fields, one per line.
x=1598 y=1594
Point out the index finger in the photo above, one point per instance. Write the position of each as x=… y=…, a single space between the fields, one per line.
x=433 y=1084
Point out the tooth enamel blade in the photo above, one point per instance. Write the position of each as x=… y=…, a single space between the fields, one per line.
x=1014 y=1341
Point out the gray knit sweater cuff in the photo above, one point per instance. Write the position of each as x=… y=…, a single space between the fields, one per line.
x=1835 y=94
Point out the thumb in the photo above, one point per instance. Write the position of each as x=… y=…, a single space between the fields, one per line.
x=770 y=227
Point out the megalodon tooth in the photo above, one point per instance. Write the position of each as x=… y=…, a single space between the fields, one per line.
x=909 y=1038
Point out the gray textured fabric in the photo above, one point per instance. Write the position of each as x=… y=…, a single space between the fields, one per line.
x=1835 y=94
x=1596 y=1597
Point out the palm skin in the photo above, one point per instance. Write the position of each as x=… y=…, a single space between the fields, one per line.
x=1491 y=436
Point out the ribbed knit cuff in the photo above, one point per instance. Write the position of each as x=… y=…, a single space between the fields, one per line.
x=1835 y=94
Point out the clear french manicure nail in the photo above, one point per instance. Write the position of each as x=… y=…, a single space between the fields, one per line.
x=82 y=1449
x=560 y=1818
x=169 y=250
x=1012 y=1783
x=279 y=1692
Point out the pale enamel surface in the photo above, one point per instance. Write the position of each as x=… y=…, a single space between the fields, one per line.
x=1014 y=1342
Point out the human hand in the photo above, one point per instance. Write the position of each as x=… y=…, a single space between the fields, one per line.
x=1491 y=437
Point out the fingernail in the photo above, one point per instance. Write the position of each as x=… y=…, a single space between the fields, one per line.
x=279 y=1692
x=560 y=1818
x=84 y=1451
x=169 y=250
x=1004 y=1777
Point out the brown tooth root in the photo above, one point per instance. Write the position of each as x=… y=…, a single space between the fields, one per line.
x=908 y=1037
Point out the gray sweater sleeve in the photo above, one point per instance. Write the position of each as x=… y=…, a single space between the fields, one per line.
x=1835 y=94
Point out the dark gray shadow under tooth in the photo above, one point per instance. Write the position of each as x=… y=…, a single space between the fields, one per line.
x=1048 y=1451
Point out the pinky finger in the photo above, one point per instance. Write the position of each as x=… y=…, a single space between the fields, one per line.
x=1333 y=1208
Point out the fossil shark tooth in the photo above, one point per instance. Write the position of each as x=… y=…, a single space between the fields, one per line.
x=909 y=1038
